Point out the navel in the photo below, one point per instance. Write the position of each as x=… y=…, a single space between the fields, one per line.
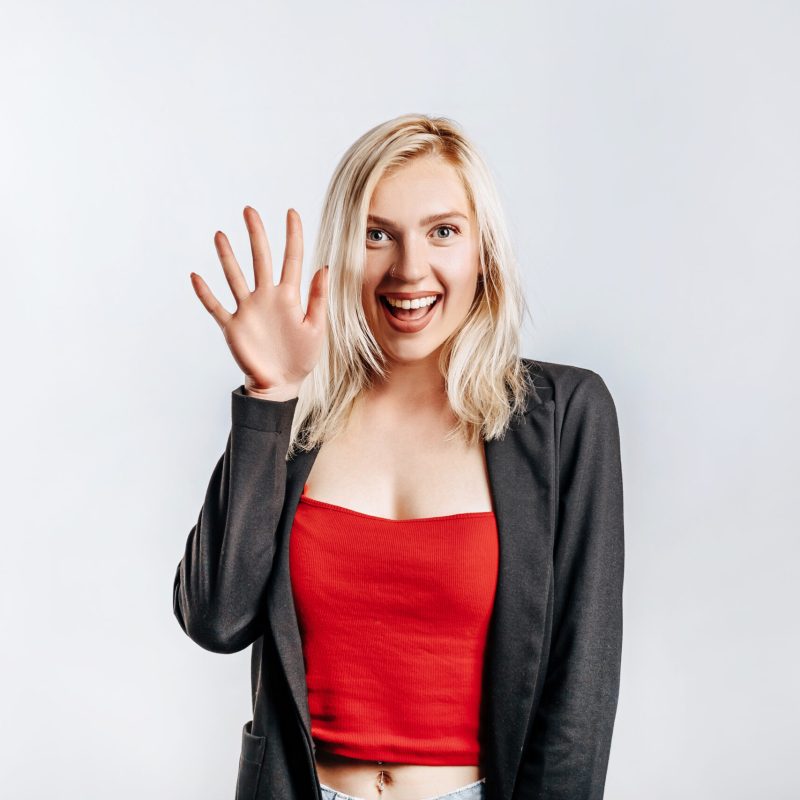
x=383 y=776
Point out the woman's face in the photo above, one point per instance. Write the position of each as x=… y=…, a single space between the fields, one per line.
x=422 y=228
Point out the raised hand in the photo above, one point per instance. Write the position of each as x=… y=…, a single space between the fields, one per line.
x=274 y=343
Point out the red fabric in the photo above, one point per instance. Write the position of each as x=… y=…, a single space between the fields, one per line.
x=393 y=616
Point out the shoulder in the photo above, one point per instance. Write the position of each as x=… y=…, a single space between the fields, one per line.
x=572 y=390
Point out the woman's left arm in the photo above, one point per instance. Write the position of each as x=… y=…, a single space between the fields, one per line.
x=569 y=739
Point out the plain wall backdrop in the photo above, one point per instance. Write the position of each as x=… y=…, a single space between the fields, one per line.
x=647 y=157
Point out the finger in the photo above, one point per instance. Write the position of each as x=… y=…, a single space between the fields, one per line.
x=293 y=254
x=210 y=303
x=259 y=246
x=231 y=268
x=317 y=311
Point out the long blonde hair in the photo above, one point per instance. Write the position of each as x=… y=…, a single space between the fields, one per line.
x=485 y=381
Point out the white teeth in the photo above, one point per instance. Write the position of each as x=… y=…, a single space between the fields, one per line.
x=418 y=302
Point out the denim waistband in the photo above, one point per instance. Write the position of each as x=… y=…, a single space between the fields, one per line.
x=472 y=791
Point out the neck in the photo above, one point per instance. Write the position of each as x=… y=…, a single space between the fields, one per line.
x=410 y=385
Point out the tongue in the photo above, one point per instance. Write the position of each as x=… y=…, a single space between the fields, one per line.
x=410 y=313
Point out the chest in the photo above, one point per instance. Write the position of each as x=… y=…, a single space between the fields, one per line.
x=401 y=475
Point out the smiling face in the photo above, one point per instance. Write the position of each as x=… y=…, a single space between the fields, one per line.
x=421 y=227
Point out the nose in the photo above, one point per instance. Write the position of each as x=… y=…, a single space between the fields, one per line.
x=412 y=265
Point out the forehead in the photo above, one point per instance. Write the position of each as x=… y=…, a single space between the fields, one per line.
x=424 y=185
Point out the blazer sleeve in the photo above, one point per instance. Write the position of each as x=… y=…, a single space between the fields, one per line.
x=567 y=749
x=220 y=581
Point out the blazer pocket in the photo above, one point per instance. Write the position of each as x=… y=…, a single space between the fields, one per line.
x=250 y=763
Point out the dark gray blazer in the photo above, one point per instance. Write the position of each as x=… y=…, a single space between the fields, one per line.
x=552 y=670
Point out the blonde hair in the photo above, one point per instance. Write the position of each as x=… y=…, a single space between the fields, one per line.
x=485 y=381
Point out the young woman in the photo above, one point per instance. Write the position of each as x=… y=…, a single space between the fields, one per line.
x=419 y=531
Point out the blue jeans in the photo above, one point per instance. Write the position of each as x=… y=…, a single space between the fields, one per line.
x=472 y=791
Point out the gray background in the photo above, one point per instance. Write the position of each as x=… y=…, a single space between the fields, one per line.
x=647 y=156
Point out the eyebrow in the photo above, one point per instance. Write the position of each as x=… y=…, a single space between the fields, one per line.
x=426 y=221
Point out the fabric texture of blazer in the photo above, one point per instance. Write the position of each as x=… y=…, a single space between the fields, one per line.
x=553 y=654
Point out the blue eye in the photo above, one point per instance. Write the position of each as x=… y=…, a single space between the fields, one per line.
x=450 y=228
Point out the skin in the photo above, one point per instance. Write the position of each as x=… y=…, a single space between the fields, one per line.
x=276 y=344
x=441 y=256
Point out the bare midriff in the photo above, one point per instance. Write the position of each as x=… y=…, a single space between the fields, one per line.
x=380 y=780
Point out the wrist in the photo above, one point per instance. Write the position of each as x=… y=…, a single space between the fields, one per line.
x=275 y=393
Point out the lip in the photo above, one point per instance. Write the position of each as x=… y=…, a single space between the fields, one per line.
x=414 y=325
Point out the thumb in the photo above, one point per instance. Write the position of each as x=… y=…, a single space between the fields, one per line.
x=318 y=298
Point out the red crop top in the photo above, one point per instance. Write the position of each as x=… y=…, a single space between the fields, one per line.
x=393 y=617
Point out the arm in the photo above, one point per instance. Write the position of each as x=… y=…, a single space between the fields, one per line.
x=219 y=582
x=569 y=739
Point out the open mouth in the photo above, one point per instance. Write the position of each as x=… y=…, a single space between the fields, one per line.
x=410 y=314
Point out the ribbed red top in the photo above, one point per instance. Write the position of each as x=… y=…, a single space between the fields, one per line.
x=393 y=616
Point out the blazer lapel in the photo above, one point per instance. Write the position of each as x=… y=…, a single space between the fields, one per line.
x=280 y=600
x=521 y=475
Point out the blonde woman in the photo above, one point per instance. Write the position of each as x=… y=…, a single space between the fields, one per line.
x=419 y=532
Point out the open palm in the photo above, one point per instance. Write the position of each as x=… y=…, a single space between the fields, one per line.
x=272 y=340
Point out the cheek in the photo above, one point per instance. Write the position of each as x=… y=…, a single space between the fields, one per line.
x=461 y=284
x=373 y=274
x=366 y=299
x=459 y=302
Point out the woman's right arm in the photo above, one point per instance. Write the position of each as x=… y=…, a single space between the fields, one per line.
x=219 y=586
x=221 y=579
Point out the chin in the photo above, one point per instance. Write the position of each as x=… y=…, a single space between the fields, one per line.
x=408 y=353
